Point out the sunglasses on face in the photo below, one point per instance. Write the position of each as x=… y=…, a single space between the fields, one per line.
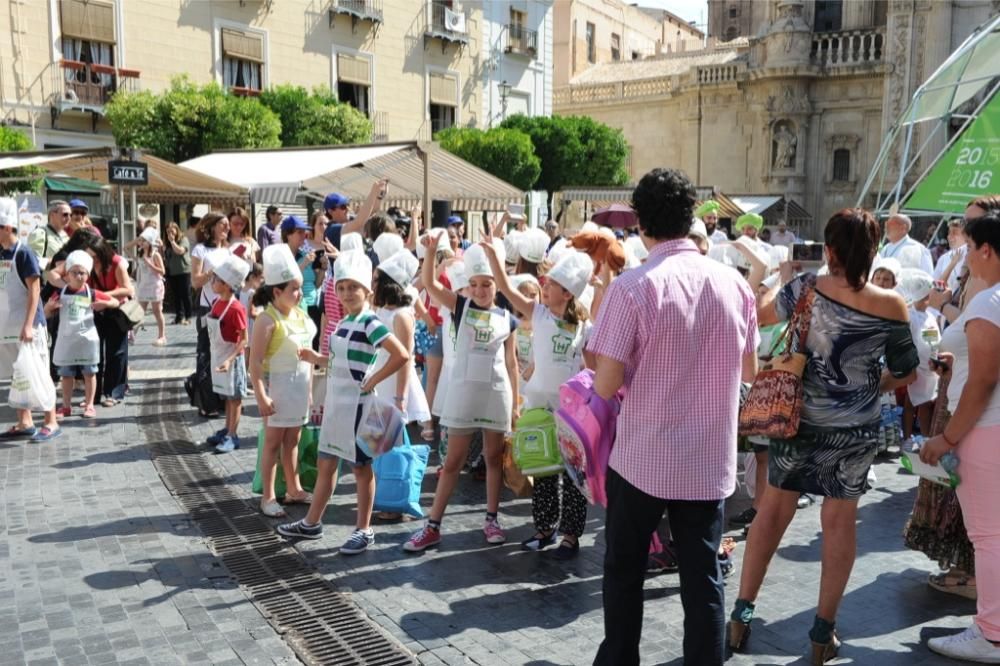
x=78 y=213
x=63 y=214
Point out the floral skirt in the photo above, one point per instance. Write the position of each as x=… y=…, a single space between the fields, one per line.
x=935 y=527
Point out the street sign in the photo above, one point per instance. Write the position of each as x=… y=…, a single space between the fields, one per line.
x=967 y=170
x=128 y=173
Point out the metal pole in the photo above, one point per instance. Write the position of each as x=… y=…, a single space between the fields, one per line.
x=121 y=218
x=425 y=161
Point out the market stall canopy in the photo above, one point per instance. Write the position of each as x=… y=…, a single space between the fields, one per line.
x=168 y=182
x=68 y=184
x=601 y=197
x=773 y=208
x=351 y=171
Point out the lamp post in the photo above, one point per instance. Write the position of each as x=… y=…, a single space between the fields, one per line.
x=504 y=89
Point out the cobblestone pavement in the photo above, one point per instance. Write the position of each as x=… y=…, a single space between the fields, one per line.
x=87 y=526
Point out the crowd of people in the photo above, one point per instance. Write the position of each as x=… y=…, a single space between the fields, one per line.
x=350 y=309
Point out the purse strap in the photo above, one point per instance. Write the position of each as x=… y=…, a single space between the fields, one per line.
x=797 y=330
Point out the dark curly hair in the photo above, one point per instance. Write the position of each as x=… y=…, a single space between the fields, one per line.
x=664 y=201
x=853 y=235
x=985 y=229
x=388 y=292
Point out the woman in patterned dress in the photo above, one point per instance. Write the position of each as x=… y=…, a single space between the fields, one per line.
x=854 y=324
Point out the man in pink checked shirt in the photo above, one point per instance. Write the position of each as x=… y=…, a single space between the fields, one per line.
x=671 y=453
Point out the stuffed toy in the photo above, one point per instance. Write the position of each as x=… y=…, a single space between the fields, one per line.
x=602 y=246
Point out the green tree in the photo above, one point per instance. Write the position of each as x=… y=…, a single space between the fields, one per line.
x=317 y=118
x=189 y=120
x=507 y=154
x=574 y=151
x=11 y=141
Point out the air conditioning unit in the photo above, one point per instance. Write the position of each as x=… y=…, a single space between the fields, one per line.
x=454 y=21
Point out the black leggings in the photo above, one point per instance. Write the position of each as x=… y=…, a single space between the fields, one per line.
x=112 y=375
x=180 y=287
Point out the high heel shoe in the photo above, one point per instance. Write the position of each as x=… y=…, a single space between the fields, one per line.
x=824 y=652
x=739 y=634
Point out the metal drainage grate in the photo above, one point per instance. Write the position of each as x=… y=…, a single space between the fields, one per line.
x=320 y=624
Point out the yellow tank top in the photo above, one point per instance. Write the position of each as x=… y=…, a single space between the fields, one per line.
x=296 y=320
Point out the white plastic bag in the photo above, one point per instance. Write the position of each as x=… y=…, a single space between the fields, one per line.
x=31 y=386
x=381 y=427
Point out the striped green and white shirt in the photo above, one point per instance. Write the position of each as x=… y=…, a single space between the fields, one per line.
x=364 y=333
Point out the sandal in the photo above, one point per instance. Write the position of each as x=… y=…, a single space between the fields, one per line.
x=954 y=582
x=273 y=510
x=109 y=402
x=388 y=515
x=566 y=550
x=539 y=541
x=307 y=498
x=427 y=434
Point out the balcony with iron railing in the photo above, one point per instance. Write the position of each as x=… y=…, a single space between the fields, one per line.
x=443 y=23
x=521 y=40
x=849 y=48
x=89 y=86
x=357 y=10
x=380 y=127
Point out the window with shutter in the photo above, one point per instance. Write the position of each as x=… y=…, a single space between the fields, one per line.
x=353 y=69
x=842 y=164
x=242 y=61
x=443 y=89
x=242 y=45
x=89 y=20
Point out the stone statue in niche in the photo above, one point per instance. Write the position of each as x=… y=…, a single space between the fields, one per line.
x=784 y=148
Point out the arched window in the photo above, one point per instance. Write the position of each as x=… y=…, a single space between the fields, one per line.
x=842 y=164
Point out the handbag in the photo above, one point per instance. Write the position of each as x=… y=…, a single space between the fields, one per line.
x=774 y=406
x=128 y=315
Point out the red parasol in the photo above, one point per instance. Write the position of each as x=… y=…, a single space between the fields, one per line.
x=616 y=215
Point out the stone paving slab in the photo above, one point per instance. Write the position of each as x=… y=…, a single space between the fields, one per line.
x=98 y=564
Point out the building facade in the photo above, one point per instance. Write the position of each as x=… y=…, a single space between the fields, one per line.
x=412 y=66
x=792 y=100
x=590 y=32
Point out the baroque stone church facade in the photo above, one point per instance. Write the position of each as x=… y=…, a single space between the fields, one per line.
x=791 y=97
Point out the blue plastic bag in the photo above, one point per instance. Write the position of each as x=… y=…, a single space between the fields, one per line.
x=399 y=476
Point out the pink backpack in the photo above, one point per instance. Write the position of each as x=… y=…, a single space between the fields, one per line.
x=585 y=429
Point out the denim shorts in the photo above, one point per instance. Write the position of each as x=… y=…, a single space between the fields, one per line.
x=241 y=380
x=360 y=457
x=436 y=349
x=73 y=370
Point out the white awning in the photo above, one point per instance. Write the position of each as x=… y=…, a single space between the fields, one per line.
x=255 y=169
x=15 y=161
x=754 y=204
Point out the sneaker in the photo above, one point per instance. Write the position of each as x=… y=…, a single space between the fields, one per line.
x=64 y=411
x=970 y=645
x=358 y=542
x=494 y=533
x=744 y=518
x=804 y=501
x=216 y=439
x=89 y=412
x=228 y=444
x=423 y=540
x=299 y=530
x=46 y=434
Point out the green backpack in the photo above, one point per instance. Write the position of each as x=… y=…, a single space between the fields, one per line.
x=536 y=450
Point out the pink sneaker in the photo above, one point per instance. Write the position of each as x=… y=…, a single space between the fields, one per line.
x=423 y=540
x=64 y=412
x=89 y=412
x=494 y=533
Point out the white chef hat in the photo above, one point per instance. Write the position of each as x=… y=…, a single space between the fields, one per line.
x=914 y=285
x=532 y=245
x=638 y=248
x=727 y=255
x=353 y=265
x=587 y=297
x=559 y=250
x=572 y=273
x=150 y=235
x=233 y=271
x=8 y=212
x=386 y=245
x=476 y=262
x=511 y=247
x=889 y=264
x=400 y=267
x=590 y=226
x=778 y=255
x=79 y=258
x=698 y=228
x=522 y=278
x=351 y=241
x=279 y=265
x=456 y=275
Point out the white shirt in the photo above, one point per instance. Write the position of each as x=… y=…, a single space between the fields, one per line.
x=786 y=238
x=942 y=264
x=210 y=258
x=924 y=329
x=910 y=254
x=985 y=305
x=719 y=236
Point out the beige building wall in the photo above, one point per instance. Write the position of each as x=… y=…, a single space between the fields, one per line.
x=641 y=33
x=164 y=38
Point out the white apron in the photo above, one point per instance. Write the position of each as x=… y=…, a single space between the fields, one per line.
x=449 y=343
x=223 y=383
x=13 y=299
x=149 y=286
x=479 y=392
x=416 y=401
x=343 y=395
x=557 y=352
x=77 y=342
x=289 y=379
